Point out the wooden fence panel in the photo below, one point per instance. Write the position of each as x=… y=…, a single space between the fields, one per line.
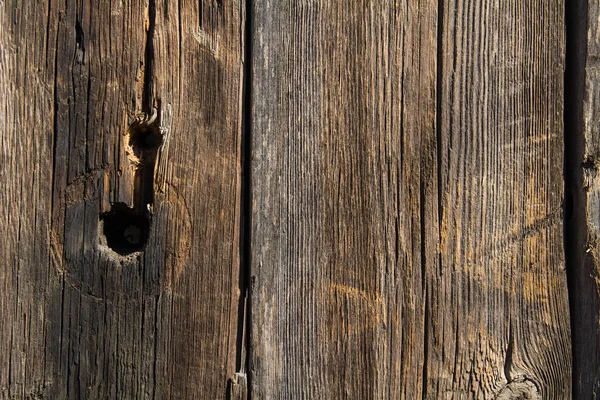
x=407 y=189
x=120 y=201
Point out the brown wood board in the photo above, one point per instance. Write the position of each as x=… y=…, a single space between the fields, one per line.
x=384 y=178
x=407 y=188
x=79 y=80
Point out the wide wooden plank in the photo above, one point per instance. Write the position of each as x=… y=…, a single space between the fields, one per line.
x=121 y=136
x=343 y=119
x=407 y=188
x=500 y=320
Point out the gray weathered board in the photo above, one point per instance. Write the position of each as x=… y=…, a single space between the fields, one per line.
x=399 y=229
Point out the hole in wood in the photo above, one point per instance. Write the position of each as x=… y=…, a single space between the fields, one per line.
x=144 y=139
x=125 y=230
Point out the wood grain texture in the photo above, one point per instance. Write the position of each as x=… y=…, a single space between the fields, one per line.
x=407 y=189
x=500 y=292
x=78 y=320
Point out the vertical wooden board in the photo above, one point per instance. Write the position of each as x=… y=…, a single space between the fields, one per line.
x=499 y=321
x=26 y=180
x=78 y=319
x=343 y=111
x=407 y=188
x=583 y=167
x=198 y=83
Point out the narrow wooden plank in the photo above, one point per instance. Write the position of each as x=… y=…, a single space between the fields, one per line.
x=499 y=322
x=79 y=80
x=582 y=164
x=26 y=145
x=407 y=188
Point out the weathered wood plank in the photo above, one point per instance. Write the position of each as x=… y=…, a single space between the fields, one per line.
x=581 y=175
x=407 y=188
x=78 y=319
x=343 y=109
x=500 y=319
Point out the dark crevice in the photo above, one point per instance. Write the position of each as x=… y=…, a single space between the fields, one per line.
x=424 y=288
x=509 y=354
x=426 y=317
x=145 y=140
x=55 y=136
x=247 y=170
x=582 y=291
x=125 y=229
x=438 y=108
x=243 y=339
x=79 y=35
x=148 y=92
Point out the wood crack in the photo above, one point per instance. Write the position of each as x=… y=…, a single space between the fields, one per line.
x=238 y=385
x=149 y=56
x=424 y=280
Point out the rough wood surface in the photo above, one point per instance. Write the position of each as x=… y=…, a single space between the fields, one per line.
x=78 y=320
x=406 y=236
x=501 y=286
x=407 y=189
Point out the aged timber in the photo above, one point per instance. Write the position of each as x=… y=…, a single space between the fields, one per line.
x=407 y=189
x=129 y=110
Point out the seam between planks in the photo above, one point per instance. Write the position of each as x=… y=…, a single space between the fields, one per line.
x=574 y=206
